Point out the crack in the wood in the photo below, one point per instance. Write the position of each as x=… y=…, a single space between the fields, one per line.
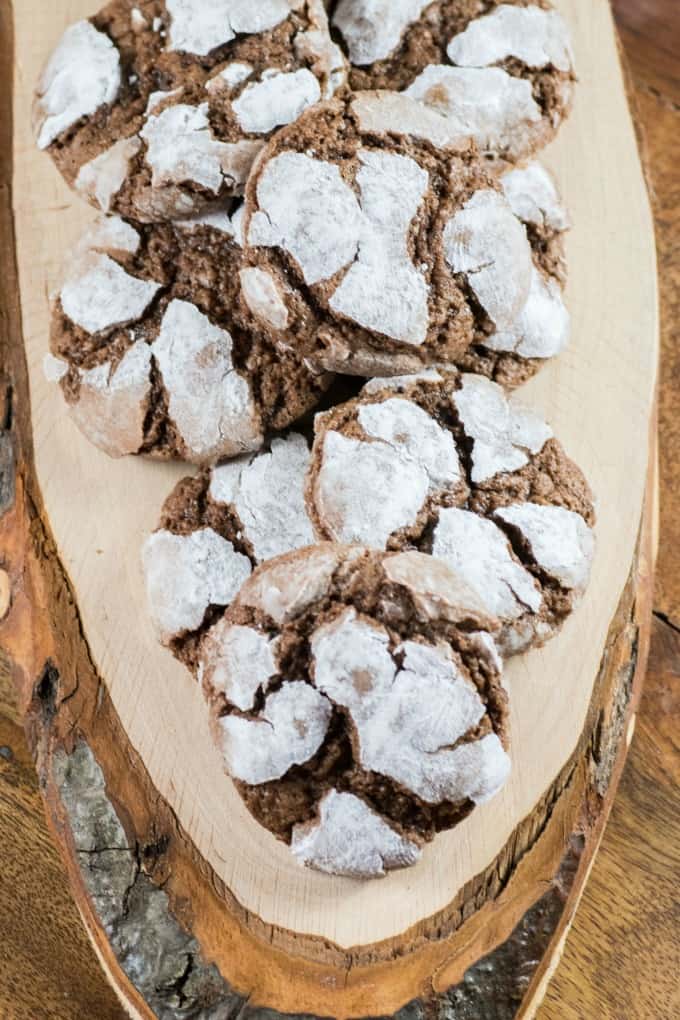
x=667 y=621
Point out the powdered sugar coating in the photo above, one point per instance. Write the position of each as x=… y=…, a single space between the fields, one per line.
x=431 y=707
x=181 y=147
x=307 y=208
x=101 y=179
x=368 y=490
x=283 y=593
x=373 y=28
x=543 y=327
x=238 y=662
x=267 y=493
x=503 y=434
x=121 y=298
x=197 y=27
x=393 y=113
x=487 y=242
x=186 y=574
x=279 y=98
x=353 y=665
x=289 y=731
x=113 y=402
x=506 y=588
x=560 y=541
x=82 y=74
x=210 y=403
x=437 y=592
x=383 y=291
x=406 y=718
x=486 y=104
x=231 y=76
x=316 y=46
x=156 y=99
x=261 y=293
x=534 y=198
x=537 y=37
x=110 y=234
x=352 y=487
x=350 y=840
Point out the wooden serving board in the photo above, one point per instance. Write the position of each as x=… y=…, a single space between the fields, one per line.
x=194 y=910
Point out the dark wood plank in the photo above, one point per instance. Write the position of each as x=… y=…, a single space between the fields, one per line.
x=48 y=970
x=623 y=956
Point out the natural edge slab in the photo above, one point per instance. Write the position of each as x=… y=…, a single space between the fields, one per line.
x=174 y=941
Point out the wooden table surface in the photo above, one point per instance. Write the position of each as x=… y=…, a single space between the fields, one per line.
x=622 y=959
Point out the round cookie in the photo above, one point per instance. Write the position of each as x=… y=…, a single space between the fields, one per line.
x=156 y=352
x=356 y=700
x=448 y=465
x=389 y=253
x=500 y=72
x=154 y=108
x=215 y=529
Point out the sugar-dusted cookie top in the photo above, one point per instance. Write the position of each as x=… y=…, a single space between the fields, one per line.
x=448 y=465
x=154 y=108
x=356 y=700
x=543 y=327
x=152 y=350
x=217 y=527
x=388 y=251
x=500 y=72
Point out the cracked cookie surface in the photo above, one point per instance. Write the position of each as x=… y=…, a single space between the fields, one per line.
x=155 y=351
x=389 y=253
x=356 y=700
x=154 y=108
x=500 y=72
x=215 y=529
x=448 y=465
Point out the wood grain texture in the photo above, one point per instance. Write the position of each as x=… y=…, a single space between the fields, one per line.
x=623 y=955
x=103 y=1014
x=650 y=32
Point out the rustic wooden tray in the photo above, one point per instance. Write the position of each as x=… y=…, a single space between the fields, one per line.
x=191 y=906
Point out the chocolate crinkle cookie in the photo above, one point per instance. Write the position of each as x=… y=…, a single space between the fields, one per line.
x=217 y=527
x=356 y=700
x=448 y=465
x=387 y=253
x=155 y=349
x=154 y=108
x=500 y=72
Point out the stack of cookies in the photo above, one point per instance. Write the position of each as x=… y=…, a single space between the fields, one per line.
x=326 y=259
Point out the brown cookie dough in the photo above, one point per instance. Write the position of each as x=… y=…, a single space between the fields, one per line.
x=500 y=72
x=215 y=529
x=155 y=351
x=388 y=252
x=356 y=700
x=448 y=465
x=155 y=108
